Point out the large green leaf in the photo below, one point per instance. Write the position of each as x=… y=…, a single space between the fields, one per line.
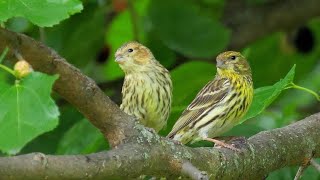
x=79 y=39
x=40 y=12
x=183 y=28
x=82 y=138
x=26 y=111
x=47 y=143
x=264 y=96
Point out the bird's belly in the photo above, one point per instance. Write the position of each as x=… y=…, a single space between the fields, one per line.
x=149 y=107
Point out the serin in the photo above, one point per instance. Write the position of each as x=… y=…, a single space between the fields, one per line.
x=219 y=105
x=147 y=87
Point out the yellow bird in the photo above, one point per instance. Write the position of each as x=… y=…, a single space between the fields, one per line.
x=147 y=87
x=220 y=104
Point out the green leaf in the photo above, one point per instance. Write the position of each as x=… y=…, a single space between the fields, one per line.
x=183 y=28
x=47 y=143
x=264 y=96
x=161 y=52
x=273 y=52
x=26 y=111
x=42 y=13
x=79 y=39
x=75 y=142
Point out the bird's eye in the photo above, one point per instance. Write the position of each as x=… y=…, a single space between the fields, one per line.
x=233 y=57
x=130 y=50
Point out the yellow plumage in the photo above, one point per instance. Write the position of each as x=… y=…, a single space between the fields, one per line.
x=220 y=104
x=147 y=88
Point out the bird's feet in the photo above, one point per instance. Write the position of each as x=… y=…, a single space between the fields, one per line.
x=233 y=146
x=151 y=130
x=238 y=142
x=177 y=142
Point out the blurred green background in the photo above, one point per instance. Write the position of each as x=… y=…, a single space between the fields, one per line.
x=185 y=36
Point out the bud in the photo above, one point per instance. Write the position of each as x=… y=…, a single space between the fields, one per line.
x=22 y=68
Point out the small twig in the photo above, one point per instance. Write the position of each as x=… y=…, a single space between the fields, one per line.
x=18 y=56
x=189 y=170
x=299 y=173
x=3 y=54
x=301 y=169
x=134 y=19
x=315 y=164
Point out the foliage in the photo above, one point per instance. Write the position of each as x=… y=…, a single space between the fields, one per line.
x=26 y=111
x=185 y=36
x=264 y=96
x=39 y=12
x=71 y=143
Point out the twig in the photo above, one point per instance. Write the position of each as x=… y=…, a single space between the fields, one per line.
x=315 y=164
x=190 y=171
x=18 y=55
x=300 y=171
x=74 y=86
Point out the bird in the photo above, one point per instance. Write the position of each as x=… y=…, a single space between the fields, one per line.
x=147 y=87
x=219 y=105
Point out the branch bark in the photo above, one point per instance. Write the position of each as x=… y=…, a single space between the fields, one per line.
x=142 y=152
x=263 y=153
x=250 y=22
x=315 y=165
x=78 y=89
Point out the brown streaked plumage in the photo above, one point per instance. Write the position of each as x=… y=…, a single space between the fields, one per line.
x=147 y=88
x=220 y=104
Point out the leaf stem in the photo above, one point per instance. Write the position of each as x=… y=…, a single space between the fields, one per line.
x=304 y=89
x=8 y=70
x=3 y=54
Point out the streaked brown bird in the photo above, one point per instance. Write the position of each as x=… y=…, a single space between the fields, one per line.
x=147 y=87
x=220 y=105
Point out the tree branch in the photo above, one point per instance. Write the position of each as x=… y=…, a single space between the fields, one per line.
x=250 y=22
x=194 y=173
x=315 y=165
x=147 y=153
x=156 y=156
x=78 y=89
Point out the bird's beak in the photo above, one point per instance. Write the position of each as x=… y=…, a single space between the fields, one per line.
x=221 y=64
x=119 y=59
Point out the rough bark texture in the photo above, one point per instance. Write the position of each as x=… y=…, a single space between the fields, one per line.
x=250 y=22
x=156 y=156
x=138 y=151
x=78 y=89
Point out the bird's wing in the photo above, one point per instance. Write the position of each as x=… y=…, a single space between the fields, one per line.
x=209 y=95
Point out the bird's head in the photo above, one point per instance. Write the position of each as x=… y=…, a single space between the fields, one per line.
x=133 y=57
x=230 y=62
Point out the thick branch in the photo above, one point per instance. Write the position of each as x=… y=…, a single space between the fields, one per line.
x=194 y=173
x=149 y=154
x=250 y=22
x=262 y=154
x=78 y=89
